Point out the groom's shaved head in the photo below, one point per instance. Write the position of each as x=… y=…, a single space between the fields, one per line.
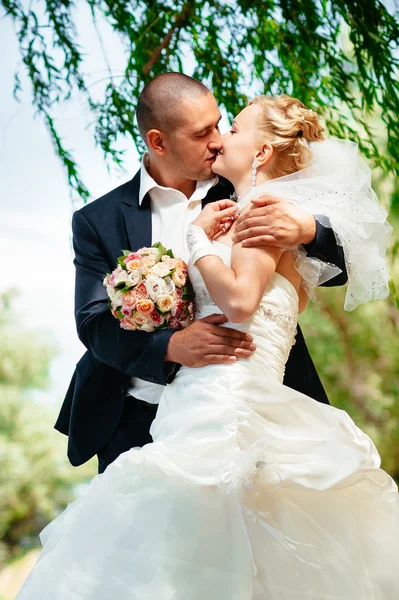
x=158 y=105
x=178 y=118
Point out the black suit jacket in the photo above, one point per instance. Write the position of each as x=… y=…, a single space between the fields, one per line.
x=95 y=398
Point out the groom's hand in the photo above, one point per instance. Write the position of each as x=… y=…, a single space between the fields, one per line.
x=204 y=342
x=274 y=222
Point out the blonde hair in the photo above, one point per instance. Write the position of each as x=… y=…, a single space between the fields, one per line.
x=286 y=123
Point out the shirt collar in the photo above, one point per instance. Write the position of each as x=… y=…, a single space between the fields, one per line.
x=147 y=183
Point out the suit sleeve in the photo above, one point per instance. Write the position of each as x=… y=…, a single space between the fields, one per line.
x=325 y=248
x=135 y=353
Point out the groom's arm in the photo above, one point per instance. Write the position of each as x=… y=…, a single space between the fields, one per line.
x=324 y=246
x=135 y=353
x=276 y=222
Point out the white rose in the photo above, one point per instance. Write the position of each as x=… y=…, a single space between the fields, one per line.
x=156 y=287
x=170 y=262
x=160 y=270
x=134 y=278
x=149 y=252
x=148 y=327
x=120 y=276
x=116 y=299
x=169 y=286
x=165 y=303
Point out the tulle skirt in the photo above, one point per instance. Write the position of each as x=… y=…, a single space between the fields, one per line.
x=250 y=491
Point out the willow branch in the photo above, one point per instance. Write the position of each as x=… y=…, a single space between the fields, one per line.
x=180 y=19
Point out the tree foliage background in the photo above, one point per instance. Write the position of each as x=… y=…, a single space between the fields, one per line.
x=338 y=56
x=236 y=47
x=36 y=479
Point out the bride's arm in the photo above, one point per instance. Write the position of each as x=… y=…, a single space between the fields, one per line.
x=237 y=290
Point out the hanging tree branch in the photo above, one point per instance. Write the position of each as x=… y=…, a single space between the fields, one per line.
x=338 y=56
x=180 y=20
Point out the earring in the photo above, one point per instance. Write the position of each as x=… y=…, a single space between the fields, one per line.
x=254 y=169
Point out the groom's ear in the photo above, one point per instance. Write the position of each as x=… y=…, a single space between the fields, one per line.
x=156 y=141
x=264 y=154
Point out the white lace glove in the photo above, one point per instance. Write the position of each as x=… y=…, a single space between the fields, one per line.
x=198 y=243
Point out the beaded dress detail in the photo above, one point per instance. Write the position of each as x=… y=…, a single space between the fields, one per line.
x=250 y=491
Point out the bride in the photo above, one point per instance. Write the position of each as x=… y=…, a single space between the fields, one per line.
x=250 y=490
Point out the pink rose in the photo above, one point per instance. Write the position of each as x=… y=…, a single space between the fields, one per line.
x=182 y=265
x=141 y=290
x=174 y=323
x=145 y=306
x=133 y=265
x=126 y=311
x=177 y=308
x=179 y=278
x=114 y=274
x=142 y=320
x=157 y=318
x=132 y=256
x=128 y=324
x=178 y=293
x=129 y=299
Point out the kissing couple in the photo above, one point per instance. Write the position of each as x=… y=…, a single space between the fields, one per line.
x=225 y=474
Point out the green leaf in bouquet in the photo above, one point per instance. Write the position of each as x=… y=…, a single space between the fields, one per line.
x=126 y=289
x=108 y=275
x=126 y=252
x=120 y=315
x=121 y=262
x=120 y=286
x=161 y=249
x=169 y=253
x=188 y=292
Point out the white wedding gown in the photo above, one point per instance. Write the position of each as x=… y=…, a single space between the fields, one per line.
x=250 y=491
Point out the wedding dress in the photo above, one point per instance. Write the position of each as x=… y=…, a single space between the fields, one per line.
x=250 y=491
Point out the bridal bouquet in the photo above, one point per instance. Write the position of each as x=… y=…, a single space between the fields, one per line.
x=150 y=290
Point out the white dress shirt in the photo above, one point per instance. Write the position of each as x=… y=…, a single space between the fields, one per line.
x=171 y=214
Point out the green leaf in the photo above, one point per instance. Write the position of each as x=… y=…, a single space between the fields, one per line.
x=126 y=252
x=188 y=292
x=126 y=288
x=161 y=249
x=121 y=262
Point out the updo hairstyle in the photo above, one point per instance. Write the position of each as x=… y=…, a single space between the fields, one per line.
x=287 y=125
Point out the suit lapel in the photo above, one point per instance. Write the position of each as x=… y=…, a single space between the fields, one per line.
x=220 y=191
x=137 y=217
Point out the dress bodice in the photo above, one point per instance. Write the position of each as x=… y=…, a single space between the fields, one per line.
x=273 y=325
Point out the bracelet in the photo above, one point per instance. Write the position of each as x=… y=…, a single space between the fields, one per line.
x=198 y=243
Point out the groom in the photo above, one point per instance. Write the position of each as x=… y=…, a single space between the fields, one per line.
x=113 y=395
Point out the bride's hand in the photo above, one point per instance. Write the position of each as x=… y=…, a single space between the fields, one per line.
x=217 y=217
